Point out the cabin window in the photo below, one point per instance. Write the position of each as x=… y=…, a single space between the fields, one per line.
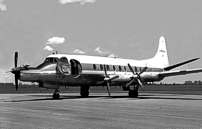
x=120 y=68
x=124 y=68
x=108 y=68
x=114 y=68
x=136 y=69
x=101 y=67
x=94 y=66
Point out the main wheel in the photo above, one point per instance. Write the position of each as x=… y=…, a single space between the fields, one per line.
x=56 y=95
x=84 y=93
x=133 y=93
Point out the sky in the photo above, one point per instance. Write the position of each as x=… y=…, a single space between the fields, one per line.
x=127 y=29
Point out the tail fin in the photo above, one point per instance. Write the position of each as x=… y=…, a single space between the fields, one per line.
x=161 y=57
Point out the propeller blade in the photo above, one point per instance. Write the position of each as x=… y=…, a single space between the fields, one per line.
x=131 y=69
x=143 y=70
x=114 y=77
x=105 y=70
x=16 y=59
x=108 y=88
x=16 y=81
x=130 y=82
x=140 y=84
x=111 y=78
x=107 y=79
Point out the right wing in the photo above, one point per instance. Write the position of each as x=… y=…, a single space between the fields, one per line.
x=179 y=72
x=179 y=64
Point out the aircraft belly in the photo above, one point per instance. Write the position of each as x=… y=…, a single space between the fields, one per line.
x=90 y=80
x=83 y=79
x=68 y=80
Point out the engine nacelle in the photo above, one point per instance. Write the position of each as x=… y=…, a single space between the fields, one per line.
x=151 y=76
x=48 y=86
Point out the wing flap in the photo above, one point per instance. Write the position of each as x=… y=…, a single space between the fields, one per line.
x=179 y=72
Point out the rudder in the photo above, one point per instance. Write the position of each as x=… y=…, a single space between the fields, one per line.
x=161 y=57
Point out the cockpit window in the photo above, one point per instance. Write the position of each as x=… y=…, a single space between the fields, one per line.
x=49 y=60
x=64 y=59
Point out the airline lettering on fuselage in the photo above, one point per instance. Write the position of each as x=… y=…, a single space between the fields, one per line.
x=162 y=51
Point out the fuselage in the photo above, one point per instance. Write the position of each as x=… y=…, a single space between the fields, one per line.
x=88 y=70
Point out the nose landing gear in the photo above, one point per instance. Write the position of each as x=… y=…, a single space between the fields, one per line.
x=84 y=91
x=56 y=94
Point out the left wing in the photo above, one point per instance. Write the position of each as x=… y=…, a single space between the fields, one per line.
x=179 y=72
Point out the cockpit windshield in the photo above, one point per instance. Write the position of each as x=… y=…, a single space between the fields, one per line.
x=48 y=60
x=51 y=60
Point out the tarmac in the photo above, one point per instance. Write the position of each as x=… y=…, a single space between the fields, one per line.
x=98 y=111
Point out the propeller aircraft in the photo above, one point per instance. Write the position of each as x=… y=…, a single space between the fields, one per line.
x=86 y=71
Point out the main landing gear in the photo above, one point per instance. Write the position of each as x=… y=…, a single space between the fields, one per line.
x=84 y=91
x=133 y=92
x=56 y=94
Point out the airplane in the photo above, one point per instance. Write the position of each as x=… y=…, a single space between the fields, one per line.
x=87 y=71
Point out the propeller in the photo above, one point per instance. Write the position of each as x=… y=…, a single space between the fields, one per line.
x=136 y=78
x=16 y=70
x=107 y=79
x=16 y=59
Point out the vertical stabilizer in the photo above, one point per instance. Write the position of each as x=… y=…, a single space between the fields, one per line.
x=161 y=57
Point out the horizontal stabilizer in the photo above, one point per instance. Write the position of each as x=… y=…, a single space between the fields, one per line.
x=179 y=64
x=179 y=72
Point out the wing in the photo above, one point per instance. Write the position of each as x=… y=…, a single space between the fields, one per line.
x=179 y=72
x=179 y=64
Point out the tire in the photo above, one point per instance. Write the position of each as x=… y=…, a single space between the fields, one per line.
x=56 y=96
x=84 y=93
x=133 y=93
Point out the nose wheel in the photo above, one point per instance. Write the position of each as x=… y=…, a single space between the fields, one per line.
x=84 y=91
x=56 y=94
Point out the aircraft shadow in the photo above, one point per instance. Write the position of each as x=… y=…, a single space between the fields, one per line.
x=170 y=97
x=64 y=97
x=166 y=97
x=49 y=97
